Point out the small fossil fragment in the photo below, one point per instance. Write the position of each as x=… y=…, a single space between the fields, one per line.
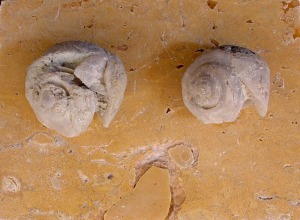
x=225 y=80
x=182 y=156
x=72 y=81
x=11 y=184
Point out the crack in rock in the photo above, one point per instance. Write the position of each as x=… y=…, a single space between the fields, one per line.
x=159 y=157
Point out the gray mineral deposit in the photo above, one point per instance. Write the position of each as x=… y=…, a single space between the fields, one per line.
x=72 y=81
x=224 y=80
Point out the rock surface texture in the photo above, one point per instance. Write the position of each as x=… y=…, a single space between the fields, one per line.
x=150 y=199
x=246 y=169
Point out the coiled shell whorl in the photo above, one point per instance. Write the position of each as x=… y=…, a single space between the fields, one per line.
x=72 y=81
x=224 y=80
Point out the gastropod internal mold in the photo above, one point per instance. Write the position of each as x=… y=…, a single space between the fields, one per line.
x=72 y=81
x=224 y=80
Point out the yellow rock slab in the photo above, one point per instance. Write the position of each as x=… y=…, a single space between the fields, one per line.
x=149 y=200
x=248 y=169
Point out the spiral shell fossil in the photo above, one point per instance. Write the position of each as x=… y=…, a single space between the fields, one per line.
x=72 y=81
x=222 y=81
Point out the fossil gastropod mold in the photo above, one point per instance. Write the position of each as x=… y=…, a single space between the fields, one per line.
x=224 y=80
x=72 y=81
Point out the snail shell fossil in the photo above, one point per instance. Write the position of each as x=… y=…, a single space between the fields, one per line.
x=72 y=81
x=222 y=81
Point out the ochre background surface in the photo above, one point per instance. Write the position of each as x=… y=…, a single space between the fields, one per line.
x=248 y=169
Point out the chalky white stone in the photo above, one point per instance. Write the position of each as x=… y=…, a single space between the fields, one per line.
x=224 y=80
x=72 y=81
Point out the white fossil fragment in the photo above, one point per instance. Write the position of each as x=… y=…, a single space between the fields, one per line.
x=224 y=80
x=72 y=81
x=11 y=184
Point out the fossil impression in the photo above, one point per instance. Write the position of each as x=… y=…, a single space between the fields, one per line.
x=72 y=81
x=221 y=82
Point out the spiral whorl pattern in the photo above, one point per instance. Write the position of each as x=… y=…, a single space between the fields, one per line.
x=222 y=81
x=72 y=81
